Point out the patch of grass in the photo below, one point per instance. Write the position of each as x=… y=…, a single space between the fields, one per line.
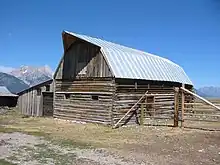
x=4 y=162
x=12 y=158
x=36 y=133
x=44 y=154
x=72 y=143
x=7 y=130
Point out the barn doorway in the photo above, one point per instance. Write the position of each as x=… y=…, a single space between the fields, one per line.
x=47 y=103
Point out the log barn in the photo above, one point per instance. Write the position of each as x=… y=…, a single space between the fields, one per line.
x=37 y=100
x=99 y=81
x=7 y=98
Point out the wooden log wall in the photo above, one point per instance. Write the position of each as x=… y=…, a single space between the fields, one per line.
x=158 y=106
x=84 y=100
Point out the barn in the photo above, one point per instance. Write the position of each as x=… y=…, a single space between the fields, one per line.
x=37 y=100
x=7 y=98
x=102 y=82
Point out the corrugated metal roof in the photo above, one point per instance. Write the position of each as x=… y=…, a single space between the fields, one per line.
x=5 y=92
x=130 y=63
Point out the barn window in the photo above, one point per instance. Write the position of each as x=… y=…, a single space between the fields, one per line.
x=95 y=97
x=135 y=85
x=47 y=87
x=67 y=96
x=38 y=91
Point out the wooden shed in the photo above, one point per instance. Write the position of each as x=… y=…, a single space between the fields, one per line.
x=37 y=100
x=99 y=81
x=7 y=98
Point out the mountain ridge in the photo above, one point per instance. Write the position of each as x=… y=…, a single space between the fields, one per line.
x=209 y=91
x=18 y=79
x=33 y=75
x=13 y=84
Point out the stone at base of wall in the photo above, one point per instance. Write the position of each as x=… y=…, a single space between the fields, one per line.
x=70 y=121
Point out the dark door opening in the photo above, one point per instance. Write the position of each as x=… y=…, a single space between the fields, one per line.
x=47 y=103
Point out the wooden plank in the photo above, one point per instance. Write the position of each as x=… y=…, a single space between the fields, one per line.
x=201 y=110
x=81 y=92
x=176 y=111
x=182 y=106
x=205 y=115
x=142 y=115
x=203 y=120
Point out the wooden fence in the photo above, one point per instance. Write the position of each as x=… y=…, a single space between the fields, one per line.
x=178 y=109
x=201 y=115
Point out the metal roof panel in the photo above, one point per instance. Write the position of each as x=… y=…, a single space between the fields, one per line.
x=130 y=63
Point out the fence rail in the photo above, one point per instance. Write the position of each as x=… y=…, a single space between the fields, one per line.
x=180 y=106
x=190 y=110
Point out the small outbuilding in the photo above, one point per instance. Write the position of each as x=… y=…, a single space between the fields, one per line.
x=7 y=98
x=101 y=82
x=37 y=100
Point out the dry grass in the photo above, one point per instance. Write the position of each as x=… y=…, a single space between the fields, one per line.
x=4 y=162
x=83 y=134
x=159 y=145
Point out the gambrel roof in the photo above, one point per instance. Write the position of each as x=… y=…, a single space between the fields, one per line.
x=130 y=63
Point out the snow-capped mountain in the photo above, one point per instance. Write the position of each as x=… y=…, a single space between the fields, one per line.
x=32 y=75
x=13 y=84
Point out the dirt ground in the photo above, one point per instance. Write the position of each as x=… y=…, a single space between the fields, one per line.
x=48 y=141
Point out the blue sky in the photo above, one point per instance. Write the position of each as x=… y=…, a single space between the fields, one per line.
x=184 y=31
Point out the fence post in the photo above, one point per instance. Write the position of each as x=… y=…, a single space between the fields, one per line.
x=182 y=106
x=176 y=107
x=142 y=115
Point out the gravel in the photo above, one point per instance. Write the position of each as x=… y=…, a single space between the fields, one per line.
x=24 y=149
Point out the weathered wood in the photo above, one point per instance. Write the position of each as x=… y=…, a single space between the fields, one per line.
x=176 y=111
x=80 y=104
x=142 y=115
x=85 y=90
x=202 y=120
x=30 y=104
x=182 y=106
x=205 y=115
x=130 y=110
x=102 y=93
x=48 y=104
x=82 y=60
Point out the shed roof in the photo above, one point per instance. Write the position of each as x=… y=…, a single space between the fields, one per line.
x=5 y=92
x=49 y=81
x=130 y=63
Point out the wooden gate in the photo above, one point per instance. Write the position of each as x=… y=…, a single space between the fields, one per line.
x=200 y=112
x=154 y=109
x=158 y=109
x=47 y=103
